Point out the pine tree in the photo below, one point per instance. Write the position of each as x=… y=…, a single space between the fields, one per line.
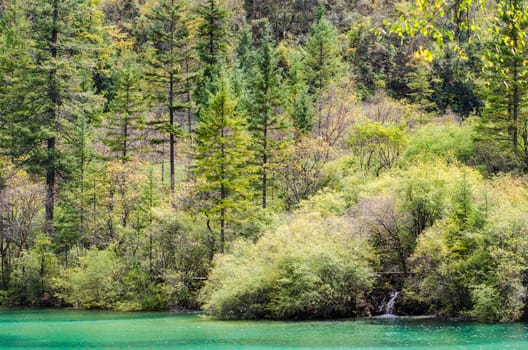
x=244 y=69
x=420 y=82
x=245 y=53
x=170 y=36
x=72 y=220
x=267 y=95
x=15 y=61
x=223 y=156
x=126 y=117
x=211 y=46
x=299 y=100
x=323 y=58
x=507 y=72
x=56 y=87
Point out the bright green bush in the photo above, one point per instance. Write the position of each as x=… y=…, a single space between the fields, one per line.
x=309 y=268
x=95 y=284
x=448 y=141
x=486 y=302
x=188 y=247
x=376 y=146
x=476 y=267
x=31 y=280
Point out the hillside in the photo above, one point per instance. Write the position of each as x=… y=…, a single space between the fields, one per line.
x=265 y=159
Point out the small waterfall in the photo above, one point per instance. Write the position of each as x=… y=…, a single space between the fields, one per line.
x=389 y=308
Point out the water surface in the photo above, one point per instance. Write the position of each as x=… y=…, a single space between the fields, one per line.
x=68 y=329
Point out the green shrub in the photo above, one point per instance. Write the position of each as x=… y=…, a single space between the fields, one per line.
x=376 y=146
x=95 y=284
x=448 y=141
x=309 y=268
x=486 y=303
x=493 y=157
x=31 y=280
x=476 y=267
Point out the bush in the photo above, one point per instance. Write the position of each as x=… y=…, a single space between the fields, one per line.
x=95 y=284
x=34 y=270
x=452 y=142
x=376 y=146
x=492 y=157
x=476 y=266
x=486 y=299
x=309 y=268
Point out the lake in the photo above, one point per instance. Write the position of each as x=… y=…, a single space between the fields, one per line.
x=69 y=329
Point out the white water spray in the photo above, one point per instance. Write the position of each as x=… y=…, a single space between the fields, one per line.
x=389 y=308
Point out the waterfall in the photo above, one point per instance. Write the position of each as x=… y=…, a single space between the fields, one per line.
x=389 y=308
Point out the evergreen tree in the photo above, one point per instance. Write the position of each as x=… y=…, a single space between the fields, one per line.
x=56 y=89
x=212 y=44
x=419 y=83
x=223 y=156
x=127 y=109
x=507 y=85
x=300 y=102
x=323 y=58
x=170 y=37
x=72 y=219
x=267 y=95
x=244 y=70
x=15 y=61
x=245 y=53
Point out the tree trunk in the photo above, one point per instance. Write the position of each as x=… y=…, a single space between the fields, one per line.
x=265 y=162
x=171 y=104
x=125 y=125
x=171 y=135
x=515 y=102
x=189 y=99
x=81 y=180
x=50 y=188
x=320 y=107
x=211 y=35
x=54 y=101
x=222 y=186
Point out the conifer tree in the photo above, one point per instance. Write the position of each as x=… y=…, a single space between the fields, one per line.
x=212 y=43
x=323 y=57
x=14 y=64
x=56 y=88
x=223 y=156
x=420 y=81
x=245 y=53
x=299 y=102
x=72 y=220
x=506 y=66
x=267 y=95
x=170 y=36
x=244 y=69
x=126 y=118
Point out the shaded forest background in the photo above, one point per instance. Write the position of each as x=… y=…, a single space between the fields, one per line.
x=265 y=159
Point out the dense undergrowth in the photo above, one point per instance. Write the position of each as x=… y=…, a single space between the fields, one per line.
x=265 y=159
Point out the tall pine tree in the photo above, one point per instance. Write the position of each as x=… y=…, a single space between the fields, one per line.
x=170 y=36
x=223 y=158
x=56 y=84
x=126 y=118
x=323 y=58
x=212 y=44
x=265 y=116
x=506 y=66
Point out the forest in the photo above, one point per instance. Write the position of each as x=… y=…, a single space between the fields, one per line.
x=265 y=159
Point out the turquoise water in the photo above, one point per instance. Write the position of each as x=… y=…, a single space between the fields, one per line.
x=65 y=329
